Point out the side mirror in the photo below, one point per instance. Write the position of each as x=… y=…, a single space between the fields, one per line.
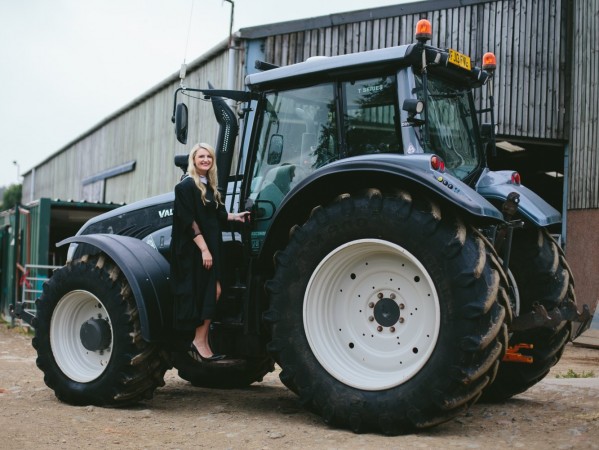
x=486 y=131
x=181 y=123
x=487 y=136
x=275 y=149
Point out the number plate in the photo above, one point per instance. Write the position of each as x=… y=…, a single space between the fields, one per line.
x=459 y=59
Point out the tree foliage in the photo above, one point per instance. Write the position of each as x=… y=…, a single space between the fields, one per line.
x=12 y=196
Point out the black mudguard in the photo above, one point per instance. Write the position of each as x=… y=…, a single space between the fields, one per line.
x=147 y=272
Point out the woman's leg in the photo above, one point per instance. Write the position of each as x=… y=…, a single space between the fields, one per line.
x=201 y=337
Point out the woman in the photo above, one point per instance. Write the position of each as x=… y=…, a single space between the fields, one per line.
x=196 y=249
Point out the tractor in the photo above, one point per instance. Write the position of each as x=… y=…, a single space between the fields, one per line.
x=391 y=275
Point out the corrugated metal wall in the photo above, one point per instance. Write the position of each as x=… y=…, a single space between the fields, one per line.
x=141 y=132
x=527 y=36
x=584 y=144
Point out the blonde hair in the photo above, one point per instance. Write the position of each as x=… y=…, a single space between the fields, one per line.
x=211 y=175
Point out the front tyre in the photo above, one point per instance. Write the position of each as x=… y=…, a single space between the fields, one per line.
x=88 y=337
x=387 y=315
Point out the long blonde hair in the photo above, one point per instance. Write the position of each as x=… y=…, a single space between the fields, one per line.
x=211 y=175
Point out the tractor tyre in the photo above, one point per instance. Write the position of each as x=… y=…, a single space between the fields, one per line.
x=542 y=276
x=387 y=314
x=88 y=337
x=241 y=373
x=222 y=376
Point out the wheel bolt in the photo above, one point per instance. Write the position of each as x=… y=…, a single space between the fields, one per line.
x=380 y=295
x=402 y=306
x=392 y=296
x=371 y=319
x=401 y=320
x=379 y=328
x=392 y=329
x=371 y=305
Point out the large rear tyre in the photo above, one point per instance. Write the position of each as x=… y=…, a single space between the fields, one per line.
x=386 y=315
x=542 y=275
x=88 y=337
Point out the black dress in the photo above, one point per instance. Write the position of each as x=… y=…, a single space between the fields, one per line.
x=194 y=287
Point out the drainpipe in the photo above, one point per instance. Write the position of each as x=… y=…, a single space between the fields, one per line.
x=566 y=191
x=16 y=235
x=231 y=69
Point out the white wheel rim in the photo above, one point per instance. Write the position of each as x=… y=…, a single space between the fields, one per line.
x=75 y=361
x=342 y=314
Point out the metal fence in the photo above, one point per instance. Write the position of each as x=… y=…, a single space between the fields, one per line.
x=32 y=281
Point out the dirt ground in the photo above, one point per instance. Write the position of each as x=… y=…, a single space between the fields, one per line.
x=561 y=413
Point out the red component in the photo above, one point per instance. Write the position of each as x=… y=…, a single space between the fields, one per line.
x=437 y=163
x=516 y=178
x=512 y=354
x=489 y=61
x=424 y=30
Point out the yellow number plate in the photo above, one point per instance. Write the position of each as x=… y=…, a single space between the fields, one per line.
x=459 y=59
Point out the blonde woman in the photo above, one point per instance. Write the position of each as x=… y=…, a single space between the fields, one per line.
x=196 y=250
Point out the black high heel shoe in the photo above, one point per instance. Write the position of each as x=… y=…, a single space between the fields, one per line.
x=197 y=356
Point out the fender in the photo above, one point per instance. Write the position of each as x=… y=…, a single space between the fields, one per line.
x=376 y=170
x=147 y=272
x=498 y=185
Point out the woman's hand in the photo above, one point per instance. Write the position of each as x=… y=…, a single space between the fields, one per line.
x=239 y=217
x=207 y=259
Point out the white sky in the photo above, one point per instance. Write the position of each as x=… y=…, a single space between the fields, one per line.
x=65 y=65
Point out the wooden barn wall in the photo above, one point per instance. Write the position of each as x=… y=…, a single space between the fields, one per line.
x=143 y=133
x=583 y=192
x=527 y=36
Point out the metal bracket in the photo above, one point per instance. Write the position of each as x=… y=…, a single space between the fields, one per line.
x=18 y=312
x=540 y=317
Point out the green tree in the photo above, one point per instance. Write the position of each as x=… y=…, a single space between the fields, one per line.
x=12 y=195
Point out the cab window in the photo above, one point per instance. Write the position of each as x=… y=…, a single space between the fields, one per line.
x=370 y=116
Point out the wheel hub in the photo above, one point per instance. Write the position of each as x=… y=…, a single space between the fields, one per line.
x=386 y=312
x=371 y=314
x=95 y=335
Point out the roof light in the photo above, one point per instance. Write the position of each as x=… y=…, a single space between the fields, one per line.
x=424 y=30
x=516 y=178
x=437 y=163
x=489 y=61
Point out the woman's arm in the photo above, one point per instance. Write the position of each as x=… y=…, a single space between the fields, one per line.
x=199 y=240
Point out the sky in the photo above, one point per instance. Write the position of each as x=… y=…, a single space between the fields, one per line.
x=65 y=65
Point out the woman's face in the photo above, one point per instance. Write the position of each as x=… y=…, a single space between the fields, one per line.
x=202 y=161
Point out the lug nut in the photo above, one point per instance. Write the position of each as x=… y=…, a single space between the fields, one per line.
x=392 y=329
x=380 y=295
x=401 y=320
x=379 y=328
x=392 y=296
x=371 y=319
x=402 y=306
x=371 y=305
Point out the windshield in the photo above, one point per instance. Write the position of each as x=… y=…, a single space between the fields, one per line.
x=451 y=126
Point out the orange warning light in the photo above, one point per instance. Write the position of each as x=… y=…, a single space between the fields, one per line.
x=424 y=30
x=489 y=61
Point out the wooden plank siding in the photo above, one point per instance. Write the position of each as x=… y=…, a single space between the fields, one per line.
x=525 y=35
x=545 y=89
x=584 y=144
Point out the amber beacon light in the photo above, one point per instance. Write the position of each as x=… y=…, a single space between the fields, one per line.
x=424 y=30
x=489 y=61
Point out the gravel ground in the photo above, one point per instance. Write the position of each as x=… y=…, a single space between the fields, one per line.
x=560 y=413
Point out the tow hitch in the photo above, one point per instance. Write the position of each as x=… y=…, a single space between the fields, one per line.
x=540 y=317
